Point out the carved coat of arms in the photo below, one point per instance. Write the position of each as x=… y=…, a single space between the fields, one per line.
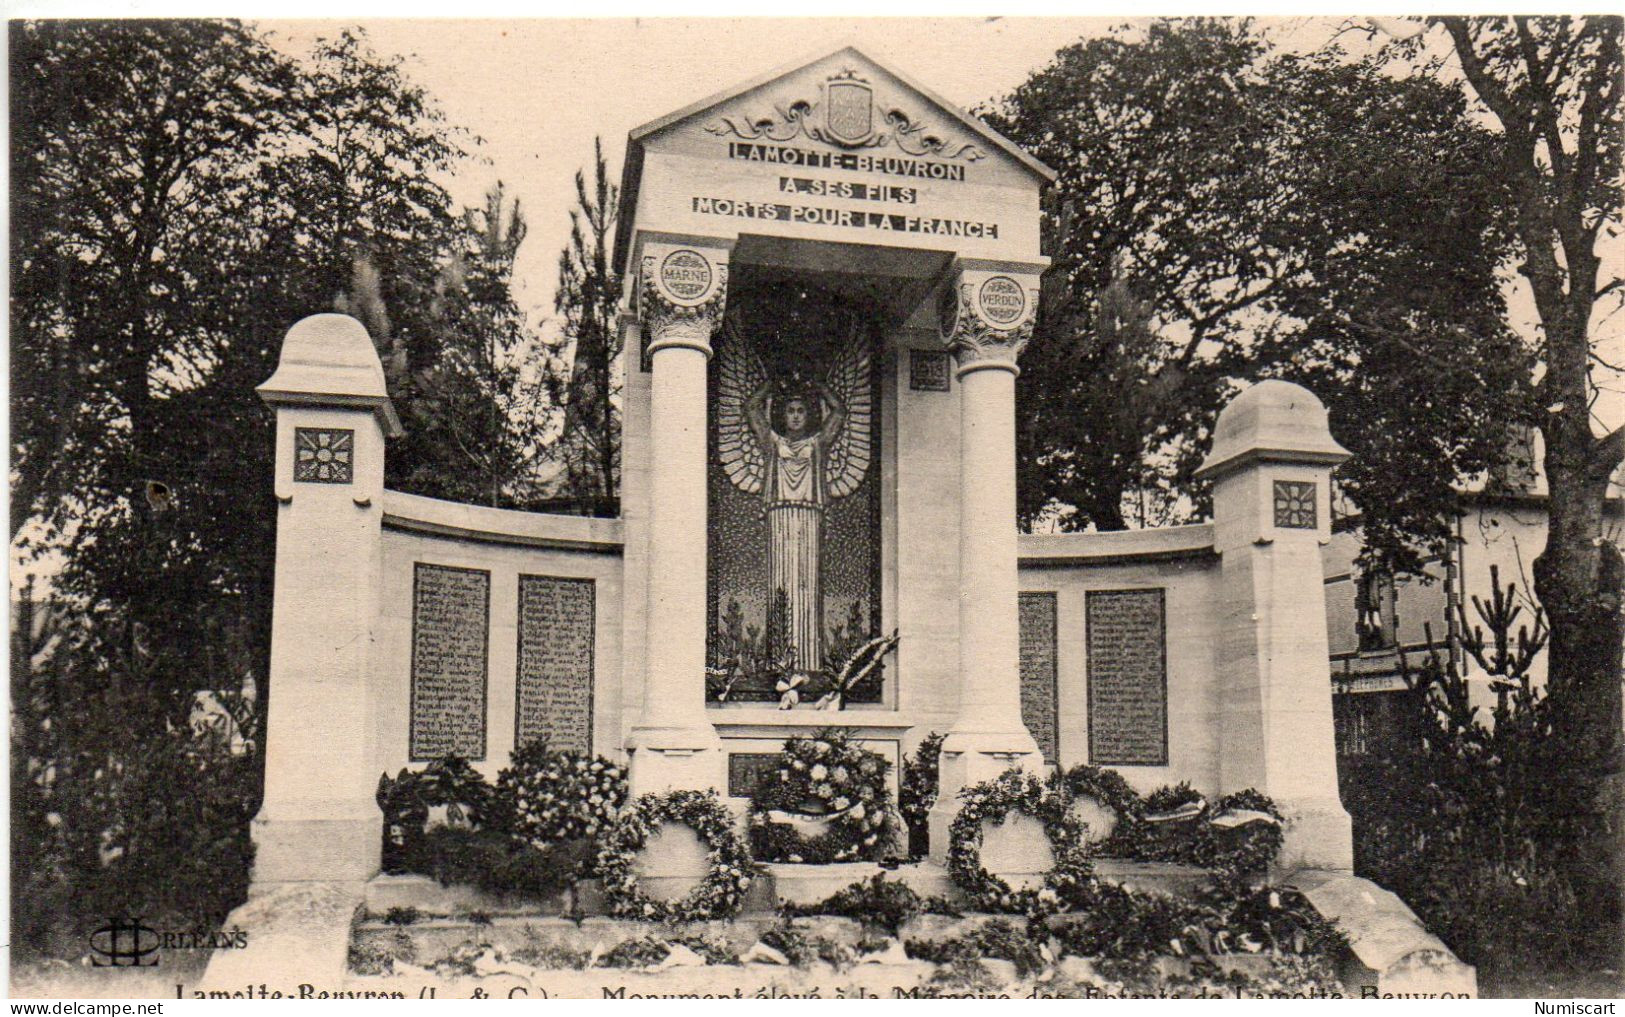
x=849 y=119
x=849 y=110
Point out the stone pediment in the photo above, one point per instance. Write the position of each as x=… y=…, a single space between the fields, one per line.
x=840 y=147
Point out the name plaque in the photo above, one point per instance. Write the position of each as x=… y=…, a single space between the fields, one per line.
x=553 y=690
x=928 y=370
x=1040 y=697
x=746 y=769
x=1128 y=677
x=451 y=631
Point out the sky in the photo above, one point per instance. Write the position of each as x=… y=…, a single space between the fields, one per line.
x=537 y=92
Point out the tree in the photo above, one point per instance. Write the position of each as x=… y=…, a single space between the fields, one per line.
x=136 y=145
x=1152 y=141
x=1399 y=321
x=1108 y=421
x=1552 y=85
x=1305 y=217
x=585 y=383
x=184 y=194
x=477 y=407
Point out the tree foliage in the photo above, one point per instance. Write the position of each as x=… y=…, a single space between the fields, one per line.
x=1270 y=215
x=476 y=405
x=1552 y=86
x=183 y=194
x=583 y=375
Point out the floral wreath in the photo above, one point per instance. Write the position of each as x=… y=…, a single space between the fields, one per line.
x=1068 y=881
x=561 y=795
x=824 y=778
x=1112 y=792
x=1254 y=846
x=720 y=894
x=1233 y=856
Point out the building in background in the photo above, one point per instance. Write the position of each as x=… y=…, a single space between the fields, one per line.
x=1379 y=624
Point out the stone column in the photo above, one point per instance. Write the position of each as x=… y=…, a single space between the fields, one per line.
x=682 y=292
x=1271 y=467
x=986 y=324
x=319 y=820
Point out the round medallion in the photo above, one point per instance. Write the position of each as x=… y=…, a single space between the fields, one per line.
x=686 y=276
x=1002 y=301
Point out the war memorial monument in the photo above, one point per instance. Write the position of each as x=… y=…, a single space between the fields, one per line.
x=831 y=277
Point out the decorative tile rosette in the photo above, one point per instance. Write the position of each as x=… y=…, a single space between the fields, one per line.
x=1015 y=791
x=827 y=802
x=720 y=894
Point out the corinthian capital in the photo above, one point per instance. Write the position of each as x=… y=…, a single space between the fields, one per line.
x=682 y=294
x=987 y=319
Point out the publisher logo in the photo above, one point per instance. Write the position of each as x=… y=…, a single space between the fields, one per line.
x=124 y=943
x=131 y=943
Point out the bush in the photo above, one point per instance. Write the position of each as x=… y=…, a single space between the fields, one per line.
x=999 y=939
x=1480 y=827
x=1123 y=924
x=643 y=952
x=125 y=801
x=803 y=948
x=1119 y=923
x=492 y=861
x=917 y=792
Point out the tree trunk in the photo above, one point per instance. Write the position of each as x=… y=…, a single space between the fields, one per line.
x=1578 y=578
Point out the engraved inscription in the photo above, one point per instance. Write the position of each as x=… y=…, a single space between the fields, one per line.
x=1039 y=697
x=685 y=275
x=928 y=370
x=746 y=768
x=451 y=611
x=554 y=685
x=1002 y=301
x=1128 y=678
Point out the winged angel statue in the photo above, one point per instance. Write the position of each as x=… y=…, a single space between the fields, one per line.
x=800 y=445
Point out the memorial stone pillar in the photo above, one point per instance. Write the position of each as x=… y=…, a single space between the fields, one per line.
x=986 y=321
x=682 y=292
x=319 y=820
x=1271 y=468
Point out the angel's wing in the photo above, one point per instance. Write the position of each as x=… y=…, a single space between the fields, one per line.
x=848 y=459
x=740 y=372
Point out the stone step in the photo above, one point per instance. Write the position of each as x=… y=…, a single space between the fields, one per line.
x=809 y=884
x=797 y=884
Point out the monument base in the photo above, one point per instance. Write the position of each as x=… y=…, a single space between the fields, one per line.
x=970 y=758
x=299 y=927
x=676 y=759
x=317 y=850
x=1317 y=834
